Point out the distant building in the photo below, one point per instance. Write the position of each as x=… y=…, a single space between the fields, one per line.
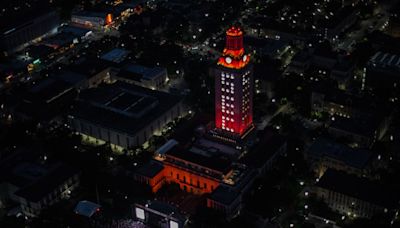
x=35 y=186
x=271 y=48
x=124 y=115
x=116 y=55
x=95 y=71
x=342 y=73
x=361 y=131
x=394 y=24
x=46 y=100
x=340 y=103
x=354 y=196
x=324 y=154
x=151 y=78
x=382 y=72
x=342 y=19
x=37 y=23
x=300 y=62
x=270 y=147
x=93 y=20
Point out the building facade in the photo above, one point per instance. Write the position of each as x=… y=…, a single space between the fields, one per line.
x=234 y=87
x=34 y=26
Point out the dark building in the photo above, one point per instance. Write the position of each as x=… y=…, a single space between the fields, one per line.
x=382 y=72
x=355 y=196
x=326 y=154
x=35 y=183
x=46 y=100
x=122 y=114
x=27 y=27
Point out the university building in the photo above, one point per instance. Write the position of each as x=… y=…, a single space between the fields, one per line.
x=212 y=163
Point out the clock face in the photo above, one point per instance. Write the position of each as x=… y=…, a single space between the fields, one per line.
x=228 y=60
x=244 y=58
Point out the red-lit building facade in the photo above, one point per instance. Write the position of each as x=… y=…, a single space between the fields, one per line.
x=209 y=168
x=233 y=88
x=194 y=173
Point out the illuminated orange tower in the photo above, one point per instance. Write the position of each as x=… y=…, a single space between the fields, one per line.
x=234 y=88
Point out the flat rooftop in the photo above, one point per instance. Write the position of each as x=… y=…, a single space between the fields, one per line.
x=139 y=72
x=361 y=126
x=266 y=148
x=116 y=55
x=47 y=184
x=224 y=194
x=357 y=158
x=123 y=107
x=89 y=66
x=359 y=188
x=150 y=169
x=385 y=60
x=18 y=19
x=211 y=161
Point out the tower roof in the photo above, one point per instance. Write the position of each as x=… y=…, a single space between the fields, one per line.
x=233 y=55
x=234 y=31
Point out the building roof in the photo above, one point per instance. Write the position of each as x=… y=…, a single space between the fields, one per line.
x=139 y=73
x=211 y=161
x=48 y=183
x=122 y=107
x=385 y=60
x=224 y=195
x=89 y=66
x=166 y=147
x=358 y=125
x=71 y=77
x=19 y=19
x=116 y=55
x=74 y=30
x=266 y=148
x=359 y=188
x=357 y=158
x=90 y=14
x=150 y=169
x=86 y=208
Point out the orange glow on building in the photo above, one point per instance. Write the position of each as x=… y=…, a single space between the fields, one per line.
x=109 y=19
x=189 y=181
x=233 y=88
x=233 y=55
x=234 y=31
x=191 y=175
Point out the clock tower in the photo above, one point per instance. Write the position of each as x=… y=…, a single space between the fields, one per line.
x=233 y=89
